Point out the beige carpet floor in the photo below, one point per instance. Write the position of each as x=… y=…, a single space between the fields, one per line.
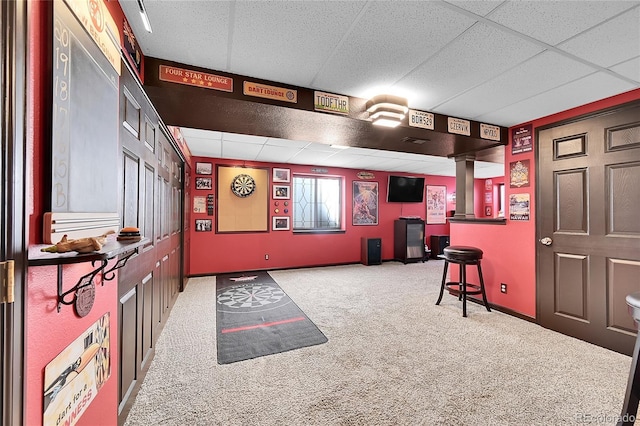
x=393 y=358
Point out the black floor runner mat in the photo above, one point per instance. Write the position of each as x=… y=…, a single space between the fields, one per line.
x=255 y=317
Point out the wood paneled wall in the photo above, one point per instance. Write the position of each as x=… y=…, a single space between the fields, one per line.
x=152 y=200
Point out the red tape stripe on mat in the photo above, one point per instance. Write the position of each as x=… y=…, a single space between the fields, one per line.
x=264 y=324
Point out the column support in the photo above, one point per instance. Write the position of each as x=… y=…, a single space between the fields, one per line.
x=464 y=187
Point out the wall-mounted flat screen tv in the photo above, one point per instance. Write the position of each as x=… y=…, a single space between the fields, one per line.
x=405 y=189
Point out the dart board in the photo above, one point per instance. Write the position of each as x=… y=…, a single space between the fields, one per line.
x=250 y=296
x=243 y=185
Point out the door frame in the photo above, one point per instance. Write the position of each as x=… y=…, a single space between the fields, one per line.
x=13 y=229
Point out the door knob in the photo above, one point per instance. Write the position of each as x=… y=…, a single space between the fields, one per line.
x=546 y=241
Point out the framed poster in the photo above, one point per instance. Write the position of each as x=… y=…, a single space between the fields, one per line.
x=74 y=377
x=280 y=223
x=203 y=183
x=203 y=225
x=519 y=207
x=203 y=168
x=199 y=204
x=281 y=175
x=281 y=192
x=436 y=204
x=522 y=139
x=365 y=203
x=519 y=174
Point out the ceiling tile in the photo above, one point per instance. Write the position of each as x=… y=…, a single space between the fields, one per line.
x=198 y=133
x=275 y=154
x=287 y=143
x=308 y=156
x=545 y=71
x=555 y=21
x=240 y=151
x=249 y=139
x=629 y=69
x=580 y=92
x=204 y=147
x=481 y=8
x=480 y=54
x=205 y=47
x=378 y=52
x=595 y=44
x=295 y=38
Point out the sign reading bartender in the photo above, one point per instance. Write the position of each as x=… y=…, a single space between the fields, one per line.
x=73 y=378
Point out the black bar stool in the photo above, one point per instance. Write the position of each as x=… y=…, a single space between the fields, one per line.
x=463 y=256
x=632 y=396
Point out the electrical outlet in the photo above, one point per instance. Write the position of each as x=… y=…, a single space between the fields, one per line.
x=503 y=288
x=266 y=257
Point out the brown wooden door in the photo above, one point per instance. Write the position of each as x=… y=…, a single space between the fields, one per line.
x=589 y=208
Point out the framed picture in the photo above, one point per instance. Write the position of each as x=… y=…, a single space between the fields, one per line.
x=365 y=203
x=203 y=225
x=281 y=192
x=281 y=175
x=203 y=168
x=203 y=183
x=280 y=223
x=199 y=204
x=436 y=204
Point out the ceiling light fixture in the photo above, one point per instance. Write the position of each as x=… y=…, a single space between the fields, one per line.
x=145 y=17
x=387 y=110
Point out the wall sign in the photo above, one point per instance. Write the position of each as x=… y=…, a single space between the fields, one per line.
x=365 y=175
x=521 y=140
x=96 y=19
x=195 y=78
x=519 y=206
x=329 y=102
x=519 y=174
x=73 y=378
x=489 y=132
x=459 y=126
x=424 y=120
x=131 y=45
x=270 y=92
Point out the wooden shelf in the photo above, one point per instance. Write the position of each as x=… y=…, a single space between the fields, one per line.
x=110 y=250
x=124 y=250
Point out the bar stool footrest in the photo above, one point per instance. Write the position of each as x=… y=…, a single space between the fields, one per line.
x=454 y=288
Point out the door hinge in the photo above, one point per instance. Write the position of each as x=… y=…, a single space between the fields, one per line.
x=6 y=282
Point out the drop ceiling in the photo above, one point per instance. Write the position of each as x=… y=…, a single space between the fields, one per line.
x=497 y=62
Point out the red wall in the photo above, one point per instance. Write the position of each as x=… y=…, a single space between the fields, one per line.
x=217 y=253
x=510 y=250
x=48 y=332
